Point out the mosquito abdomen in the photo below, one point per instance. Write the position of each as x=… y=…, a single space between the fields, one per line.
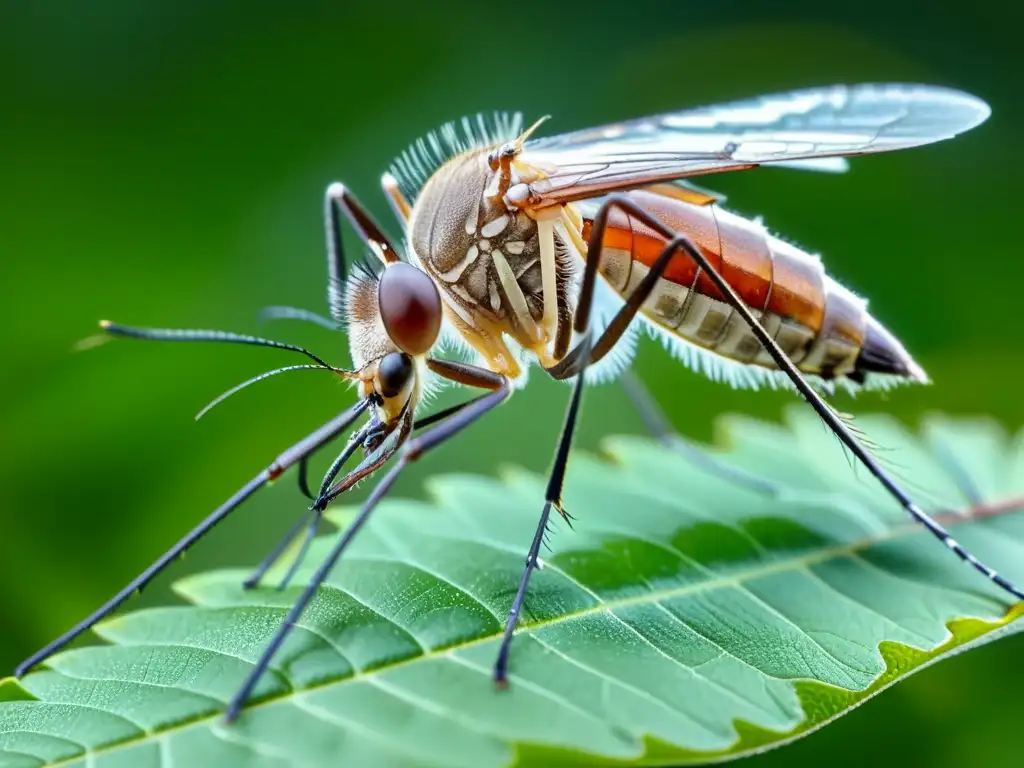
x=824 y=328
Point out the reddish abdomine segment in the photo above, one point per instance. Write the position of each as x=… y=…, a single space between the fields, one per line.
x=821 y=326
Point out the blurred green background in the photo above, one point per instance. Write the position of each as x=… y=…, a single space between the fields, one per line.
x=163 y=164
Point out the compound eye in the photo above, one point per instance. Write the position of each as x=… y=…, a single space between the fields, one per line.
x=393 y=372
x=410 y=307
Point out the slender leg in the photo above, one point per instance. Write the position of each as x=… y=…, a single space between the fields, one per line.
x=657 y=424
x=318 y=505
x=309 y=520
x=832 y=420
x=584 y=354
x=296 y=453
x=338 y=200
x=303 y=479
x=253 y=579
x=574 y=364
x=463 y=373
x=552 y=498
x=399 y=205
x=410 y=452
x=314 y=520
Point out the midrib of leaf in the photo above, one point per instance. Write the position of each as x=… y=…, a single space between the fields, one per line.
x=900 y=659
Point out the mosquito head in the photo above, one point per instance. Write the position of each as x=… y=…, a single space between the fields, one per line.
x=394 y=318
x=389 y=383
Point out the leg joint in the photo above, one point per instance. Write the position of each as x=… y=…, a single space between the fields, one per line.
x=336 y=191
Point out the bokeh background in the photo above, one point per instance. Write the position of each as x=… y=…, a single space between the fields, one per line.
x=162 y=163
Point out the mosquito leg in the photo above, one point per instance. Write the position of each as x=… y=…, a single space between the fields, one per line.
x=307 y=541
x=585 y=353
x=310 y=520
x=574 y=364
x=399 y=205
x=303 y=478
x=831 y=419
x=303 y=448
x=659 y=426
x=552 y=498
x=338 y=200
x=317 y=507
x=253 y=580
x=411 y=451
x=433 y=418
x=316 y=511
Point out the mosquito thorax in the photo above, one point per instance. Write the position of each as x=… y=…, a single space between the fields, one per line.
x=460 y=231
x=452 y=196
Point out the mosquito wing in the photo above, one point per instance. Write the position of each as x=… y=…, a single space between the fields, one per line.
x=811 y=129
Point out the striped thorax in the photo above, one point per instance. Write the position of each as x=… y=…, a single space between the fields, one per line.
x=488 y=259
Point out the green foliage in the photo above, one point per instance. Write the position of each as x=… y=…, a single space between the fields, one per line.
x=685 y=619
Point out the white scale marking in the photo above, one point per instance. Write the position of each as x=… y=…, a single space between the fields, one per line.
x=453 y=274
x=463 y=294
x=457 y=308
x=495 y=226
x=515 y=247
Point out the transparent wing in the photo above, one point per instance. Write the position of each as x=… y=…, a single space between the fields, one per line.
x=812 y=129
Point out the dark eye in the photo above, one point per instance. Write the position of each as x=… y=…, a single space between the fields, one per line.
x=410 y=307
x=393 y=372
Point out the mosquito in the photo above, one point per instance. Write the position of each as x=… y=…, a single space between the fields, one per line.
x=556 y=252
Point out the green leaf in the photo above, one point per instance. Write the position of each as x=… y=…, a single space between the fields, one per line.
x=684 y=620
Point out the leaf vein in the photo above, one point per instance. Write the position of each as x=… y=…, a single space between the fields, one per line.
x=642 y=693
x=860 y=604
x=531 y=686
x=357 y=728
